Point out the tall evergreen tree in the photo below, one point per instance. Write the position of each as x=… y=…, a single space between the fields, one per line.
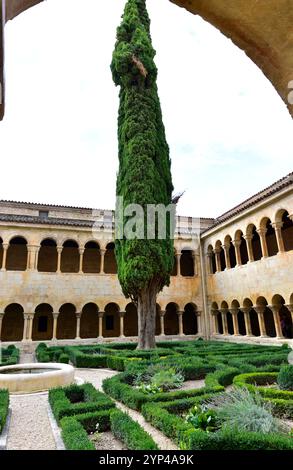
x=144 y=176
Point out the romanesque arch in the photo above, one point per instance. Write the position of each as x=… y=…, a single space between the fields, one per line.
x=89 y=321
x=13 y=323
x=130 y=320
x=70 y=257
x=91 y=258
x=190 y=326
x=47 y=257
x=43 y=323
x=17 y=254
x=66 y=326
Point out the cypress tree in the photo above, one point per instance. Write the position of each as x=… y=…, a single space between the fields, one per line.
x=144 y=177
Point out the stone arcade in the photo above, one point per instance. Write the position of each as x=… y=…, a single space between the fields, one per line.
x=232 y=276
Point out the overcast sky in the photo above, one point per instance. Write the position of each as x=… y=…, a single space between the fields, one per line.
x=228 y=130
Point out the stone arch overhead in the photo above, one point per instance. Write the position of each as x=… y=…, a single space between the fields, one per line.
x=235 y=304
x=67 y=303
x=262 y=30
x=50 y=237
x=69 y=239
x=16 y=235
x=279 y=214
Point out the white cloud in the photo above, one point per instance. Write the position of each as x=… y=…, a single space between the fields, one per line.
x=227 y=128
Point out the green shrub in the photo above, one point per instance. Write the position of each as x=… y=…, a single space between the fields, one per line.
x=74 y=436
x=130 y=432
x=4 y=407
x=285 y=378
x=77 y=399
x=243 y=411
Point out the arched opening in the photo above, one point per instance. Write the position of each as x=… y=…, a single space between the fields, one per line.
x=17 y=255
x=255 y=329
x=229 y=322
x=43 y=323
x=89 y=321
x=239 y=238
x=220 y=252
x=111 y=327
x=1 y=252
x=66 y=325
x=70 y=257
x=287 y=231
x=271 y=238
x=255 y=243
x=186 y=263
x=91 y=258
x=13 y=323
x=190 y=320
x=241 y=323
x=219 y=323
x=284 y=315
x=131 y=320
x=48 y=256
x=110 y=265
x=269 y=323
x=211 y=260
x=171 y=320
x=231 y=251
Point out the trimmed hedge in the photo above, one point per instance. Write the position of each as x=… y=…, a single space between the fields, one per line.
x=4 y=407
x=9 y=356
x=73 y=400
x=130 y=432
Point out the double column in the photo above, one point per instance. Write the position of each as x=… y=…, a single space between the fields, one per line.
x=28 y=326
x=246 y=311
x=276 y=313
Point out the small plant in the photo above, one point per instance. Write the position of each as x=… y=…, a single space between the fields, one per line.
x=285 y=378
x=95 y=436
x=244 y=411
x=167 y=379
x=149 y=389
x=202 y=418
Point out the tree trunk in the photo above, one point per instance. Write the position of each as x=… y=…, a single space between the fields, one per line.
x=146 y=311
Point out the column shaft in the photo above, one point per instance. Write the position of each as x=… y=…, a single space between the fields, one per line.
x=263 y=242
x=102 y=261
x=1 y=321
x=59 y=254
x=78 y=316
x=227 y=256
x=55 y=324
x=122 y=315
x=246 y=311
x=5 y=248
x=237 y=244
x=234 y=313
x=278 y=230
x=276 y=313
x=101 y=316
x=180 y=323
x=248 y=239
x=224 y=321
x=162 y=323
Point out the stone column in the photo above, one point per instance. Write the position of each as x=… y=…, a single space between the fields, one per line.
x=25 y=326
x=246 y=311
x=81 y=252
x=237 y=244
x=1 y=321
x=32 y=251
x=224 y=312
x=248 y=239
x=214 y=314
x=234 y=313
x=102 y=270
x=180 y=322
x=198 y=315
x=101 y=316
x=260 y=309
x=121 y=316
x=227 y=255
x=162 y=322
x=30 y=327
x=278 y=230
x=217 y=252
x=55 y=324
x=263 y=241
x=59 y=253
x=5 y=248
x=178 y=258
x=276 y=312
x=78 y=317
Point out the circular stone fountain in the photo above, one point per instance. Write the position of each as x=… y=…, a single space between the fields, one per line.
x=38 y=377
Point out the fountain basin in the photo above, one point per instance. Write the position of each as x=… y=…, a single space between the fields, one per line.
x=38 y=377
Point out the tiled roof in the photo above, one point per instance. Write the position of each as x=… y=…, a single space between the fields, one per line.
x=258 y=197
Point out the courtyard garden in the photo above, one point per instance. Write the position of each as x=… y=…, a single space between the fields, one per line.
x=192 y=395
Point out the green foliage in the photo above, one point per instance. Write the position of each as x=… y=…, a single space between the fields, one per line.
x=74 y=436
x=130 y=432
x=4 y=407
x=202 y=418
x=75 y=399
x=144 y=175
x=243 y=411
x=285 y=378
x=9 y=356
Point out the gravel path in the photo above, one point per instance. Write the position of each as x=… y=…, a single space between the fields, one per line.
x=107 y=441
x=192 y=385
x=96 y=377
x=30 y=427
